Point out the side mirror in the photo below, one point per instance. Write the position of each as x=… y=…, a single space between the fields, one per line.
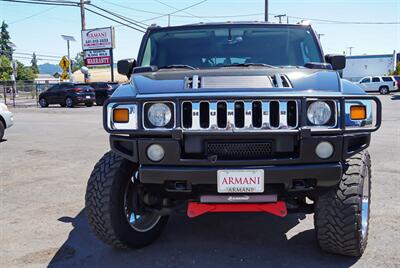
x=338 y=62
x=125 y=66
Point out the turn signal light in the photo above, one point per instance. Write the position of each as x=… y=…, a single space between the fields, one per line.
x=358 y=112
x=121 y=115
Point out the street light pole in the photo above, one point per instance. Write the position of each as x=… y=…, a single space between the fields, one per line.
x=83 y=21
x=266 y=11
x=350 y=49
x=280 y=17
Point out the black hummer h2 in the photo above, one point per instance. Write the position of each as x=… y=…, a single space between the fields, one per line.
x=234 y=117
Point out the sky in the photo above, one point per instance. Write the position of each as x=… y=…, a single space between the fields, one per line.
x=38 y=28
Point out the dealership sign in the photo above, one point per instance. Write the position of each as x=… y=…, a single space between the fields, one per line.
x=99 y=38
x=100 y=57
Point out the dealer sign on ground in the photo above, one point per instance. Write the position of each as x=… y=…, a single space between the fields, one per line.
x=99 y=38
x=100 y=57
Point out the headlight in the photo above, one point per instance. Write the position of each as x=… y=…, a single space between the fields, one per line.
x=159 y=114
x=319 y=113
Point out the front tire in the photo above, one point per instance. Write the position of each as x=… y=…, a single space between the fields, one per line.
x=43 y=103
x=69 y=102
x=2 y=128
x=342 y=214
x=109 y=195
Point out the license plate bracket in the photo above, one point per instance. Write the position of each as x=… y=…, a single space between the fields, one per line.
x=240 y=181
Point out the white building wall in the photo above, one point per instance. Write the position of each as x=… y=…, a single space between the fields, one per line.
x=368 y=65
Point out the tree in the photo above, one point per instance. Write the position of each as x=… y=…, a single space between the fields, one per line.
x=5 y=48
x=24 y=73
x=34 y=65
x=5 y=68
x=77 y=63
x=397 y=70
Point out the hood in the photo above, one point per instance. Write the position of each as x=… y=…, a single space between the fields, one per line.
x=236 y=79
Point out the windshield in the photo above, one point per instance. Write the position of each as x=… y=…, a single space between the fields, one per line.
x=216 y=46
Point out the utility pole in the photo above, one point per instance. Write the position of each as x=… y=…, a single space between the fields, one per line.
x=350 y=49
x=169 y=19
x=266 y=11
x=280 y=17
x=83 y=21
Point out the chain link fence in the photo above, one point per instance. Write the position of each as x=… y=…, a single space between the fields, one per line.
x=21 y=93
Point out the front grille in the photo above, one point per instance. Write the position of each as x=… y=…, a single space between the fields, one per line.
x=239 y=115
x=240 y=150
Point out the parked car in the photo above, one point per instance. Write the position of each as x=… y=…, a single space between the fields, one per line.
x=67 y=95
x=6 y=119
x=397 y=78
x=234 y=117
x=381 y=84
x=103 y=91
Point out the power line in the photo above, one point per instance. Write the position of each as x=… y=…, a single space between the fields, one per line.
x=28 y=58
x=40 y=55
x=40 y=52
x=134 y=22
x=134 y=9
x=51 y=3
x=33 y=15
x=177 y=11
x=165 y=4
x=104 y=16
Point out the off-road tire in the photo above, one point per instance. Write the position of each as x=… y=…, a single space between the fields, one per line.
x=337 y=216
x=104 y=204
x=2 y=128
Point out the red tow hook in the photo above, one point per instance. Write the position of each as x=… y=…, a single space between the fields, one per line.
x=277 y=208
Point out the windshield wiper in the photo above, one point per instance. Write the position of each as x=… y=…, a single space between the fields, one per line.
x=248 y=64
x=178 y=66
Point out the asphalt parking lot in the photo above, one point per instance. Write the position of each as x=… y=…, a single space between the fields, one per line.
x=44 y=166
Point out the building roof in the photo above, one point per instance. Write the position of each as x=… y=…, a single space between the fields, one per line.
x=370 y=56
x=100 y=75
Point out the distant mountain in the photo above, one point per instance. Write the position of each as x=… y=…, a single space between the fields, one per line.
x=48 y=68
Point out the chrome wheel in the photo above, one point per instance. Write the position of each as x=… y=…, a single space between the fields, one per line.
x=365 y=207
x=137 y=216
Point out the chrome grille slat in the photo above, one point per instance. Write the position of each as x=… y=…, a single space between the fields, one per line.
x=248 y=114
x=280 y=116
x=265 y=115
x=196 y=115
x=230 y=115
x=213 y=115
x=283 y=114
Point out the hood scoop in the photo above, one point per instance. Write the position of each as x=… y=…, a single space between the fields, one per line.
x=264 y=81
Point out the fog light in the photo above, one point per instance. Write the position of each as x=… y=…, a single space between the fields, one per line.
x=324 y=149
x=155 y=152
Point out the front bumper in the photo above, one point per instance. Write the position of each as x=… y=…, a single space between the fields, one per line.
x=8 y=118
x=321 y=175
x=303 y=165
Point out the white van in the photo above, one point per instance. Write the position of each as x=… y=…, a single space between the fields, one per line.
x=381 y=84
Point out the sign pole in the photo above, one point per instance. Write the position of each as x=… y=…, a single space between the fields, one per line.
x=69 y=66
x=112 y=64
